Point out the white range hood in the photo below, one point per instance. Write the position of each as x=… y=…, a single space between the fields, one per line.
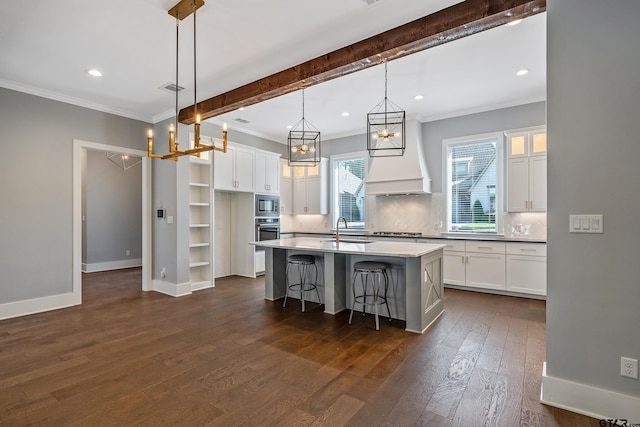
x=406 y=174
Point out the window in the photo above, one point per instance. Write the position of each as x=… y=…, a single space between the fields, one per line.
x=349 y=173
x=473 y=170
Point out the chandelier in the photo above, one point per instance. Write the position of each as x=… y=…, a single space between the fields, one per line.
x=124 y=161
x=385 y=127
x=304 y=142
x=180 y=11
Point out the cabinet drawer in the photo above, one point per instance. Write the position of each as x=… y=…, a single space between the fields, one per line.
x=486 y=247
x=533 y=249
x=450 y=245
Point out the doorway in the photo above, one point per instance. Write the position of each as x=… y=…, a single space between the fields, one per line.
x=79 y=152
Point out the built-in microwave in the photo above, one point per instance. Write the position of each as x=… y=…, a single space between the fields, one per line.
x=267 y=205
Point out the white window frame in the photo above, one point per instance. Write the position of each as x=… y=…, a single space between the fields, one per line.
x=334 y=195
x=498 y=137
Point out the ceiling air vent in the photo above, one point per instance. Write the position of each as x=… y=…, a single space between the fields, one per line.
x=370 y=2
x=172 y=87
x=241 y=120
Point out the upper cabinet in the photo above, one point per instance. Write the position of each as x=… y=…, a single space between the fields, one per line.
x=234 y=170
x=286 y=188
x=267 y=173
x=527 y=170
x=309 y=187
x=527 y=142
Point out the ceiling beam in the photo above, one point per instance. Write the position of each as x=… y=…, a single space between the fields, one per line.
x=453 y=23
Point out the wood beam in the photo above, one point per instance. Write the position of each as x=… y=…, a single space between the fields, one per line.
x=453 y=23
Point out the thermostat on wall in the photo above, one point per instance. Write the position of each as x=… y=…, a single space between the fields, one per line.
x=162 y=213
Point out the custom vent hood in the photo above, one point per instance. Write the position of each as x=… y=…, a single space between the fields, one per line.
x=406 y=174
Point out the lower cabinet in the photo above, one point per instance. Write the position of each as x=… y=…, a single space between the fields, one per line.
x=486 y=265
x=513 y=266
x=527 y=268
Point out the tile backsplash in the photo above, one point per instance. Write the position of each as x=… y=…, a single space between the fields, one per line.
x=422 y=213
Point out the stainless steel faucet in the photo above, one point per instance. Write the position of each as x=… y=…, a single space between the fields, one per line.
x=338 y=227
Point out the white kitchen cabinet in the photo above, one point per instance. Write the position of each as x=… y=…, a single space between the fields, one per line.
x=527 y=170
x=479 y=264
x=527 y=142
x=486 y=271
x=310 y=189
x=200 y=274
x=267 y=173
x=527 y=268
x=234 y=170
x=454 y=257
x=286 y=188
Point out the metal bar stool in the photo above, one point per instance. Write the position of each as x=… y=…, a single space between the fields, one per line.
x=304 y=264
x=370 y=272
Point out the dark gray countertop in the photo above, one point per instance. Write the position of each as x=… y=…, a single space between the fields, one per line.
x=369 y=234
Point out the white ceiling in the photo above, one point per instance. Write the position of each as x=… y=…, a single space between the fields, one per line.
x=46 y=48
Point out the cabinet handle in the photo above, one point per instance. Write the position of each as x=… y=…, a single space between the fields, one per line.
x=467 y=261
x=528 y=250
x=462 y=259
x=485 y=247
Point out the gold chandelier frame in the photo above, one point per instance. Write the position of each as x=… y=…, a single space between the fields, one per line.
x=180 y=11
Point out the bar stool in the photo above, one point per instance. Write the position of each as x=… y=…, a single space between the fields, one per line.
x=370 y=272
x=303 y=264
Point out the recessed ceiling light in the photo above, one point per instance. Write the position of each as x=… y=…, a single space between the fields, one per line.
x=345 y=114
x=94 y=73
x=418 y=97
x=514 y=22
x=522 y=72
x=289 y=126
x=241 y=109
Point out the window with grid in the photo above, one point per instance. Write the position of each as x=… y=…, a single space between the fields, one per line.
x=473 y=190
x=349 y=173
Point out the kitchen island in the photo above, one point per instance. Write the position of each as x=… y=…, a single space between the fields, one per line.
x=415 y=289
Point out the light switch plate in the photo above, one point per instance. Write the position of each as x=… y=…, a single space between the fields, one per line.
x=586 y=224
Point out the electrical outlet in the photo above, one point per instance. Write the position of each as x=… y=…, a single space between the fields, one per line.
x=163 y=273
x=127 y=252
x=629 y=367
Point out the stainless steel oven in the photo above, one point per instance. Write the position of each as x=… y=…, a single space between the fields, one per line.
x=267 y=229
x=267 y=206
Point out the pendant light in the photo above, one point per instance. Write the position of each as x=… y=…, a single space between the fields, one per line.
x=304 y=142
x=180 y=11
x=385 y=127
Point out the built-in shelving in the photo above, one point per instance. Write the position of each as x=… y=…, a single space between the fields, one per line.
x=200 y=255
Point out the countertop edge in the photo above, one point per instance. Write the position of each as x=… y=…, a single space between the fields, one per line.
x=442 y=237
x=349 y=248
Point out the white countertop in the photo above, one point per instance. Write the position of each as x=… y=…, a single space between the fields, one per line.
x=396 y=249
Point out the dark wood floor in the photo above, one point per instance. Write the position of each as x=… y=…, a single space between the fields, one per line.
x=225 y=356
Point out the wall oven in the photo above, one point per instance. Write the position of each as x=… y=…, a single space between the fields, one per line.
x=267 y=206
x=267 y=229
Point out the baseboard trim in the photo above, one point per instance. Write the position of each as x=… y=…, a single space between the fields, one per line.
x=588 y=400
x=172 y=289
x=198 y=286
x=38 y=305
x=111 y=265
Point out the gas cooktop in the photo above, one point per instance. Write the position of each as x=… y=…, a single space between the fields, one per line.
x=396 y=234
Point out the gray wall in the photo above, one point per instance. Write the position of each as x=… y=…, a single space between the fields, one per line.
x=486 y=122
x=593 y=58
x=113 y=210
x=36 y=190
x=434 y=132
